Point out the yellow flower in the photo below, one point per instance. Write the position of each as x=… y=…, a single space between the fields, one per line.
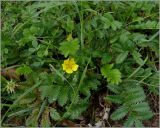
x=69 y=65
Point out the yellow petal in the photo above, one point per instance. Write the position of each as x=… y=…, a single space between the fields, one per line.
x=75 y=67
x=69 y=71
x=72 y=62
x=64 y=66
x=66 y=61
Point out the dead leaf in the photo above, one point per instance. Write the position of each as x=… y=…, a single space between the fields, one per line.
x=10 y=74
x=68 y=123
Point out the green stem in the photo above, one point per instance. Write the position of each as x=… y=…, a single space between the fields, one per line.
x=81 y=23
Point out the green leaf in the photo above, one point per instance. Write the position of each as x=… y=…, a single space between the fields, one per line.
x=145 y=115
x=69 y=47
x=69 y=26
x=115 y=25
x=134 y=95
x=121 y=57
x=114 y=99
x=105 y=69
x=115 y=88
x=24 y=70
x=32 y=119
x=42 y=108
x=54 y=94
x=129 y=122
x=35 y=43
x=138 y=123
x=43 y=51
x=119 y=113
x=141 y=107
x=106 y=58
x=137 y=57
x=89 y=84
x=45 y=90
x=124 y=37
x=113 y=75
x=54 y=114
x=51 y=92
x=154 y=83
x=63 y=96
x=76 y=109
x=109 y=17
x=45 y=122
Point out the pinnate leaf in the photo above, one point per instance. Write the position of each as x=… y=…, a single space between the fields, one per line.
x=119 y=113
x=54 y=114
x=69 y=47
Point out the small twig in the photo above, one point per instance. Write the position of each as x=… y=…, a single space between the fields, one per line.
x=108 y=123
x=155 y=113
x=14 y=66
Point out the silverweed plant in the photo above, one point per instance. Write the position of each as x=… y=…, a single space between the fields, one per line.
x=61 y=61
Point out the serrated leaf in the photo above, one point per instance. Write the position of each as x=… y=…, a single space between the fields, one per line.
x=115 y=25
x=106 y=58
x=42 y=51
x=45 y=121
x=114 y=99
x=54 y=94
x=113 y=75
x=24 y=70
x=115 y=88
x=135 y=95
x=51 y=92
x=145 y=115
x=69 y=26
x=77 y=109
x=135 y=99
x=85 y=91
x=129 y=122
x=69 y=47
x=105 y=69
x=121 y=57
x=119 y=113
x=44 y=90
x=43 y=105
x=138 y=123
x=72 y=98
x=54 y=114
x=88 y=85
x=141 y=107
x=137 y=57
x=32 y=119
x=109 y=17
x=124 y=37
x=63 y=96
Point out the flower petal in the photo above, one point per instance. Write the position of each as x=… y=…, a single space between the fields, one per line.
x=69 y=71
x=64 y=66
x=72 y=61
x=66 y=61
x=75 y=67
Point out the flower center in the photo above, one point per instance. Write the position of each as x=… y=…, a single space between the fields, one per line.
x=69 y=66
